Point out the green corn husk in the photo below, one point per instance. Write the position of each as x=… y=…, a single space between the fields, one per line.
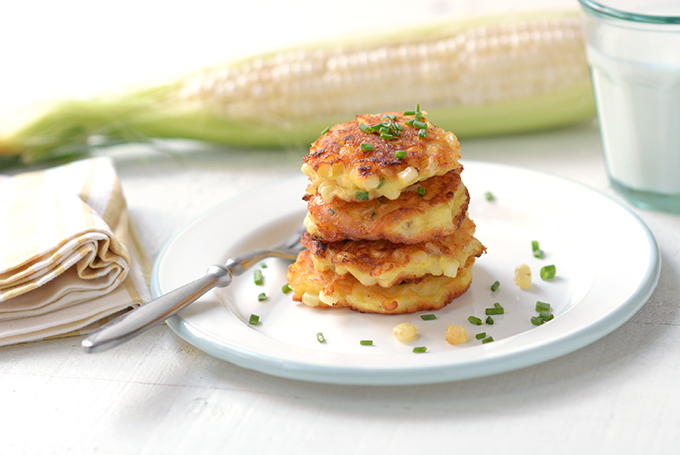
x=483 y=76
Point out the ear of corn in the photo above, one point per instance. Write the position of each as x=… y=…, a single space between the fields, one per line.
x=476 y=77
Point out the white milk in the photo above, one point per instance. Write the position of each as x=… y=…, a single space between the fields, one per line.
x=639 y=112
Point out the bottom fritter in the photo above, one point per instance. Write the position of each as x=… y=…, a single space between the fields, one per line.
x=330 y=290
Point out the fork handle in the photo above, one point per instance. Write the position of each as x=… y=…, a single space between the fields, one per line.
x=154 y=312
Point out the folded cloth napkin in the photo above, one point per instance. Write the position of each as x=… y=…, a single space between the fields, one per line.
x=69 y=257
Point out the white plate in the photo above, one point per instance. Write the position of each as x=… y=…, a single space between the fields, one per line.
x=607 y=262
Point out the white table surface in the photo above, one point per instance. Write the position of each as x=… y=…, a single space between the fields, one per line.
x=158 y=394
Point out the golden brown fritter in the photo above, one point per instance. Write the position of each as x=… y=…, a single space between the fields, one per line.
x=385 y=263
x=411 y=218
x=330 y=290
x=338 y=167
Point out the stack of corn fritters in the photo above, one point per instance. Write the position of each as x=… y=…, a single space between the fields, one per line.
x=387 y=228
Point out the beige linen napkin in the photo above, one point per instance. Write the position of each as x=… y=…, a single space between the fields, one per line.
x=69 y=258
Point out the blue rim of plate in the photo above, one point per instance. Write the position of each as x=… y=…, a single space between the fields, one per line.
x=340 y=374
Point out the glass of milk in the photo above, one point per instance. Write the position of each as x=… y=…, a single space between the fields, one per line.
x=633 y=49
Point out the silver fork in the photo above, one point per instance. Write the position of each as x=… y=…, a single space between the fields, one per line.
x=158 y=310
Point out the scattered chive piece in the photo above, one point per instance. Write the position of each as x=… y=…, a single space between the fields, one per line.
x=286 y=288
x=479 y=336
x=428 y=317
x=536 y=249
x=400 y=154
x=409 y=112
x=494 y=310
x=262 y=297
x=320 y=338
x=363 y=127
x=497 y=305
x=254 y=319
x=542 y=306
x=365 y=146
x=548 y=272
x=422 y=132
x=362 y=195
x=421 y=191
x=420 y=125
x=489 y=320
x=495 y=286
x=546 y=316
x=487 y=340
x=535 y=320
x=264 y=266
x=366 y=342
x=386 y=136
x=489 y=196
x=420 y=349
x=328 y=128
x=258 y=276
x=409 y=122
x=474 y=320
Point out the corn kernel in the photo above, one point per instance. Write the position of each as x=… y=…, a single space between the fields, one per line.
x=456 y=334
x=404 y=331
x=523 y=276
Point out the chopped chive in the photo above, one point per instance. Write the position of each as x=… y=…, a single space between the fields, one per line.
x=418 y=107
x=419 y=116
x=535 y=320
x=539 y=254
x=409 y=122
x=546 y=316
x=489 y=320
x=428 y=317
x=420 y=125
x=385 y=129
x=421 y=191
x=542 y=306
x=409 y=112
x=494 y=310
x=422 y=133
x=489 y=196
x=262 y=297
x=548 y=272
x=366 y=342
x=320 y=338
x=365 y=146
x=257 y=276
x=534 y=245
x=497 y=305
x=419 y=349
x=363 y=127
x=254 y=319
x=495 y=286
x=475 y=320
x=400 y=154
x=382 y=182
x=328 y=128
x=362 y=195
x=487 y=340
x=481 y=335
x=374 y=128
x=263 y=265
x=286 y=288
x=386 y=136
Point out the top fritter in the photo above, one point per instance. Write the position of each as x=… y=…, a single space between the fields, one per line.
x=379 y=155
